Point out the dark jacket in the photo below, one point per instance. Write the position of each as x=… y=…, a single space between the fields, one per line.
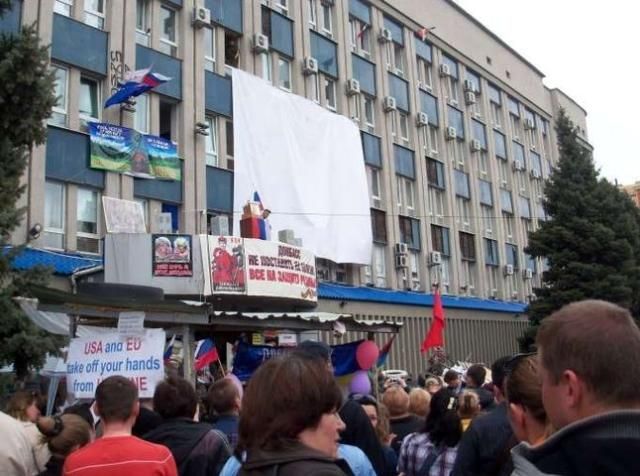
x=228 y=424
x=198 y=449
x=604 y=445
x=360 y=432
x=485 y=447
x=294 y=460
x=53 y=467
x=401 y=427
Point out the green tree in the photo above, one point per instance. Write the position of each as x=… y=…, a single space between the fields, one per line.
x=26 y=99
x=591 y=239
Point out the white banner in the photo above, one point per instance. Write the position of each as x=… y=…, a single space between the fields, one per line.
x=307 y=165
x=92 y=359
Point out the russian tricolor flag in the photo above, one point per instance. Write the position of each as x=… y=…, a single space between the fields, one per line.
x=168 y=352
x=136 y=83
x=206 y=353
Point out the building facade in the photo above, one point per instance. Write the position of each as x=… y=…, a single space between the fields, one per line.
x=457 y=127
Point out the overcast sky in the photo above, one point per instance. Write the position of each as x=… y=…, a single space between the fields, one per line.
x=590 y=50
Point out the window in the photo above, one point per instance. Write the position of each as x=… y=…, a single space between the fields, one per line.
x=63 y=7
x=491 y=257
x=369 y=113
x=142 y=22
x=87 y=221
x=462 y=184
x=379 y=266
x=496 y=106
x=440 y=240
x=451 y=81
x=375 y=191
x=141 y=121
x=414 y=271
x=486 y=197
x=94 y=13
x=403 y=120
x=284 y=73
x=327 y=18
x=479 y=133
x=406 y=195
x=59 y=111
x=467 y=246
x=455 y=119
x=265 y=60
x=231 y=50
x=313 y=12
x=379 y=226
x=410 y=232
x=230 y=144
x=144 y=204
x=435 y=173
x=524 y=206
x=330 y=93
x=88 y=103
x=518 y=154
x=360 y=37
x=168 y=37
x=211 y=142
x=512 y=255
x=506 y=201
x=425 y=74
x=54 y=215
x=486 y=216
x=210 y=49
x=282 y=6
x=507 y=220
x=501 y=145
x=313 y=82
x=473 y=85
x=536 y=163
x=166 y=120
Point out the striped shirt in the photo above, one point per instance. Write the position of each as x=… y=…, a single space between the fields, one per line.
x=120 y=456
x=415 y=449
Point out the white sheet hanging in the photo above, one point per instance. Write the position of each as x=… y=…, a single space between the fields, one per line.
x=308 y=167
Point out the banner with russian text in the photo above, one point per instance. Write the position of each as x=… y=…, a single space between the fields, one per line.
x=92 y=359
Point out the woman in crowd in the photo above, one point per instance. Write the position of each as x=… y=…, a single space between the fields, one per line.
x=419 y=400
x=402 y=422
x=468 y=407
x=23 y=406
x=289 y=423
x=432 y=385
x=62 y=436
x=433 y=450
x=379 y=416
x=526 y=413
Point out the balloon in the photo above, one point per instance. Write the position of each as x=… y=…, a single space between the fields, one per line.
x=360 y=383
x=367 y=354
x=236 y=381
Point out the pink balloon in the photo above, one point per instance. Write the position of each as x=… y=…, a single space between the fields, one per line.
x=360 y=383
x=367 y=354
x=236 y=381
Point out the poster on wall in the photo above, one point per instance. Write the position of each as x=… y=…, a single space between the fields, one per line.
x=124 y=150
x=123 y=216
x=227 y=264
x=172 y=256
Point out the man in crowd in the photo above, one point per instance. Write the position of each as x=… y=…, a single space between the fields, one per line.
x=485 y=447
x=224 y=398
x=589 y=354
x=475 y=377
x=454 y=383
x=117 y=452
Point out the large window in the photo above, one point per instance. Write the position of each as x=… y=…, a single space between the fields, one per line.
x=379 y=226
x=211 y=142
x=87 y=220
x=168 y=36
x=440 y=240
x=143 y=22
x=330 y=100
x=501 y=145
x=166 y=120
x=410 y=232
x=462 y=184
x=59 y=111
x=512 y=255
x=360 y=37
x=210 y=49
x=435 y=173
x=229 y=144
x=467 y=246
x=491 y=257
x=89 y=101
x=54 y=215
x=94 y=13
x=284 y=73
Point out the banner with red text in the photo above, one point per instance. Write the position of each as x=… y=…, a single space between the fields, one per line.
x=90 y=360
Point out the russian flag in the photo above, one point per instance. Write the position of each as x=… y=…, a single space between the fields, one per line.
x=206 y=353
x=384 y=352
x=168 y=352
x=136 y=83
x=256 y=198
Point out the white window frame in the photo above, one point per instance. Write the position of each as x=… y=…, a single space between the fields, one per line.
x=425 y=74
x=451 y=89
x=369 y=115
x=360 y=45
x=143 y=31
x=267 y=70
x=404 y=127
x=313 y=82
x=168 y=46
x=430 y=139
x=87 y=235
x=312 y=6
x=379 y=266
x=61 y=110
x=141 y=118
x=49 y=230
x=330 y=83
x=375 y=190
x=284 y=61
x=327 y=26
x=282 y=6
x=211 y=142
x=84 y=118
x=63 y=7
x=463 y=206
x=496 y=115
x=354 y=102
x=99 y=16
x=210 y=43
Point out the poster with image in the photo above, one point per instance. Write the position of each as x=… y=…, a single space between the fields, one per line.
x=172 y=256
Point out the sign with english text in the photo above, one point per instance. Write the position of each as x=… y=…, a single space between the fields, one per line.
x=90 y=360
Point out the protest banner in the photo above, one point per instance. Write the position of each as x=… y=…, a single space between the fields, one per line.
x=172 y=255
x=123 y=216
x=92 y=359
x=124 y=150
x=226 y=255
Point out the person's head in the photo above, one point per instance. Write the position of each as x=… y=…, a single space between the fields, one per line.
x=432 y=385
x=524 y=394
x=443 y=423
x=175 y=398
x=498 y=375
x=452 y=379
x=315 y=352
x=396 y=401
x=468 y=404
x=590 y=361
x=419 y=400
x=23 y=406
x=370 y=406
x=64 y=434
x=223 y=397
x=117 y=400
x=383 y=429
x=475 y=376
x=291 y=398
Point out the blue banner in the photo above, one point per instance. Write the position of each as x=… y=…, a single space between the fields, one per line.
x=249 y=357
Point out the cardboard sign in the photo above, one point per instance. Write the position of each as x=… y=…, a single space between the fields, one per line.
x=92 y=359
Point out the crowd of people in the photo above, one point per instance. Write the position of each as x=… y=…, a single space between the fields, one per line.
x=572 y=408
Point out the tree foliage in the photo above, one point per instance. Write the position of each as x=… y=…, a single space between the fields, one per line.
x=26 y=99
x=591 y=240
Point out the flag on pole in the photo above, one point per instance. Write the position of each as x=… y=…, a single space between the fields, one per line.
x=256 y=198
x=206 y=353
x=135 y=83
x=423 y=32
x=168 y=352
x=384 y=352
x=435 y=336
x=364 y=28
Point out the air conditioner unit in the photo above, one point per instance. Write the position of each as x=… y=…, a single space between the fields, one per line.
x=402 y=261
x=508 y=270
x=535 y=174
x=422 y=120
x=445 y=70
x=424 y=86
x=401 y=249
x=353 y=87
x=517 y=165
x=389 y=104
x=435 y=258
x=493 y=293
x=527 y=273
x=385 y=36
x=327 y=3
x=310 y=66
x=260 y=43
x=220 y=225
x=476 y=145
x=377 y=203
x=514 y=295
x=201 y=17
x=468 y=86
x=529 y=124
x=451 y=133
x=470 y=97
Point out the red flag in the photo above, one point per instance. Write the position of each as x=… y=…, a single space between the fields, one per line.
x=435 y=336
x=365 y=27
